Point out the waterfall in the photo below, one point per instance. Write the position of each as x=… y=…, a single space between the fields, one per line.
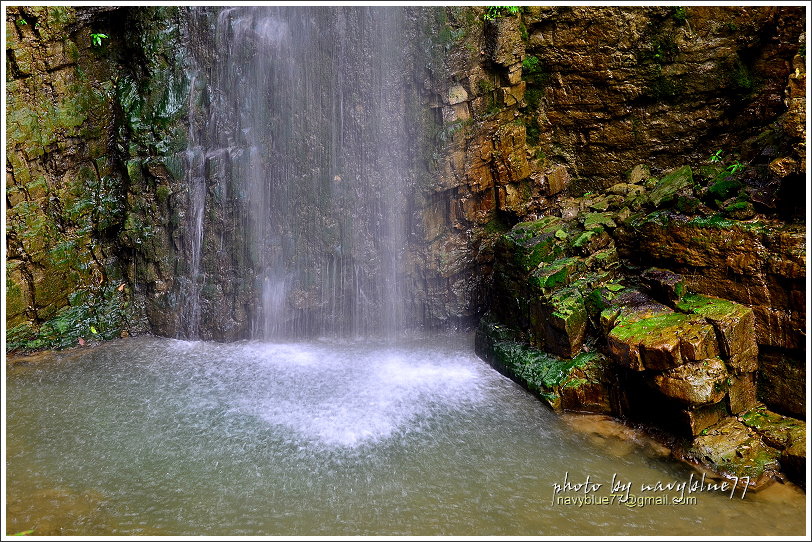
x=309 y=105
x=196 y=183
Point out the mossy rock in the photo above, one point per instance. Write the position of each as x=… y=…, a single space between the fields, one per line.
x=578 y=383
x=558 y=322
x=530 y=243
x=740 y=210
x=730 y=449
x=627 y=306
x=722 y=189
x=670 y=185
x=556 y=274
x=734 y=324
x=592 y=241
x=592 y=221
x=587 y=388
x=778 y=431
x=660 y=342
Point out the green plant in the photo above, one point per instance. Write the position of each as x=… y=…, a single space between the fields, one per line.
x=732 y=168
x=679 y=14
x=494 y=12
x=742 y=78
x=22 y=22
x=485 y=86
x=96 y=39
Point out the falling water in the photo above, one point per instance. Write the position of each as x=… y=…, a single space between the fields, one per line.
x=310 y=105
x=196 y=183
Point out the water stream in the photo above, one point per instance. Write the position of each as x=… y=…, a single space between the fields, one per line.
x=161 y=436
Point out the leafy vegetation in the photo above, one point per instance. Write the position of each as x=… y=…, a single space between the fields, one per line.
x=99 y=313
x=96 y=39
x=494 y=12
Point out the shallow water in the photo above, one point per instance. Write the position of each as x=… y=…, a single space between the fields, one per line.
x=159 y=437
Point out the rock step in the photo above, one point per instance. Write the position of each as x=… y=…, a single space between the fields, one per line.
x=734 y=325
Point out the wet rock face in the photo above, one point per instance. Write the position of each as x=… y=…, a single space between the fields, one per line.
x=65 y=192
x=782 y=382
x=761 y=265
x=625 y=83
x=561 y=101
x=681 y=361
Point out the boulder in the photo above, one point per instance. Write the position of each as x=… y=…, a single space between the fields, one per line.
x=660 y=342
x=695 y=383
x=667 y=188
x=734 y=325
x=730 y=448
x=558 y=322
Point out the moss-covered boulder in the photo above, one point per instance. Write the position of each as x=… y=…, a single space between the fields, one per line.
x=626 y=306
x=730 y=448
x=661 y=342
x=670 y=185
x=783 y=433
x=558 y=322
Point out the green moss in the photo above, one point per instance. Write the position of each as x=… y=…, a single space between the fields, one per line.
x=496 y=226
x=539 y=371
x=555 y=274
x=715 y=221
x=711 y=307
x=723 y=189
x=594 y=220
x=162 y=193
x=532 y=132
x=583 y=239
x=667 y=188
x=532 y=97
x=629 y=331
x=534 y=73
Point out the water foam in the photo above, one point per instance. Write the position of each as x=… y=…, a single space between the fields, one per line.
x=357 y=398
